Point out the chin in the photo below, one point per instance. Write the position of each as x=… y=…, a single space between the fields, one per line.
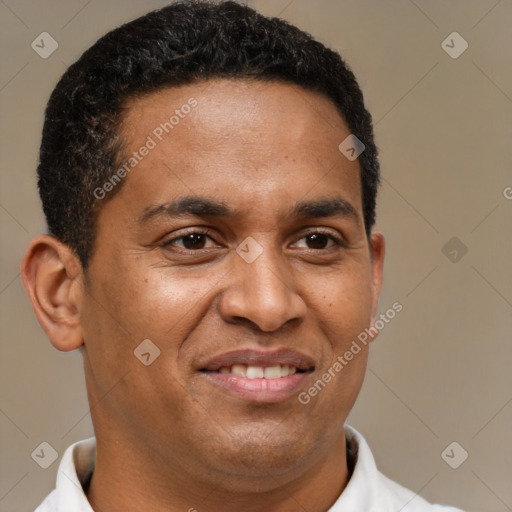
x=254 y=462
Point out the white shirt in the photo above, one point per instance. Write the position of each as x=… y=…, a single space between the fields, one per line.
x=368 y=490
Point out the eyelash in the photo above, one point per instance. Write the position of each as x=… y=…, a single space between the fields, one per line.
x=199 y=231
x=195 y=231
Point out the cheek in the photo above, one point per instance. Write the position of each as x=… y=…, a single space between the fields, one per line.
x=126 y=308
x=145 y=303
x=344 y=309
x=344 y=306
x=119 y=313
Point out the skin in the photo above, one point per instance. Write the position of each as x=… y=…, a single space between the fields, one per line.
x=167 y=438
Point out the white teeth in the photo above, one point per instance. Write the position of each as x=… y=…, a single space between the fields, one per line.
x=272 y=372
x=239 y=369
x=255 y=372
x=258 y=372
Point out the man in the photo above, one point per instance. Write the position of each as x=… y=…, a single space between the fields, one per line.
x=209 y=179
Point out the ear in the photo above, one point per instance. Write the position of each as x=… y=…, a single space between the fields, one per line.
x=377 y=248
x=53 y=277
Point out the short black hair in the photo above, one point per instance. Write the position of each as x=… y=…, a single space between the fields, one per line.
x=185 y=42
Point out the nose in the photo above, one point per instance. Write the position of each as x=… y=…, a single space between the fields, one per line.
x=261 y=293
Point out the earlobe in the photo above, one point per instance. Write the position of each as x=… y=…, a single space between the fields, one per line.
x=378 y=249
x=53 y=278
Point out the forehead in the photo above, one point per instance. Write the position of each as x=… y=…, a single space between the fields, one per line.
x=223 y=96
x=264 y=139
x=249 y=113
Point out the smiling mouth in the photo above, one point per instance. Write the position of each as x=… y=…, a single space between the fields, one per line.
x=260 y=372
x=258 y=376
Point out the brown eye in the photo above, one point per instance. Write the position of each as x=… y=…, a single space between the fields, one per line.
x=194 y=241
x=317 y=240
x=191 y=241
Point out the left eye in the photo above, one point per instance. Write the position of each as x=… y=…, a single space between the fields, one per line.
x=191 y=241
x=319 y=241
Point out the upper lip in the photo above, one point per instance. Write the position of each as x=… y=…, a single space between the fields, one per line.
x=281 y=356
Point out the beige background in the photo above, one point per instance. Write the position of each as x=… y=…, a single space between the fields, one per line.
x=440 y=371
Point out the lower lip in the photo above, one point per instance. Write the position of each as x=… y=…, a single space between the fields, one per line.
x=259 y=390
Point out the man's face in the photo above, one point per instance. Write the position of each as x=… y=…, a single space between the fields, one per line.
x=256 y=160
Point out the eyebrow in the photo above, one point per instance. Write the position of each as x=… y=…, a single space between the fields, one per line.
x=204 y=207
